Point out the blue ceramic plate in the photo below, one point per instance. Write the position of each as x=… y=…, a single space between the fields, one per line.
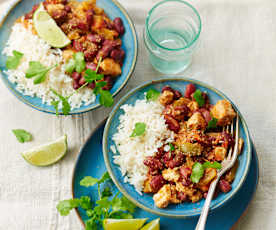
x=90 y=163
x=112 y=8
x=145 y=201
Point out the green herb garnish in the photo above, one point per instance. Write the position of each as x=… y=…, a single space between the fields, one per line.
x=38 y=71
x=91 y=76
x=152 y=95
x=22 y=135
x=105 y=207
x=199 y=98
x=13 y=61
x=213 y=123
x=106 y=98
x=64 y=101
x=139 y=129
x=172 y=148
x=198 y=169
x=70 y=66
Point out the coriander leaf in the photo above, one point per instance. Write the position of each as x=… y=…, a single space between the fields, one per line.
x=91 y=225
x=90 y=212
x=91 y=76
x=104 y=203
x=88 y=181
x=80 y=63
x=13 y=61
x=122 y=204
x=106 y=192
x=213 y=123
x=85 y=202
x=22 y=135
x=121 y=215
x=55 y=104
x=117 y=204
x=106 y=98
x=98 y=87
x=214 y=165
x=199 y=98
x=38 y=71
x=65 y=206
x=139 y=129
x=70 y=66
x=104 y=177
x=66 y=108
x=152 y=95
x=197 y=172
x=172 y=148
x=128 y=205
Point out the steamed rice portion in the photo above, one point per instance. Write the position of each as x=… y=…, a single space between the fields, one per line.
x=36 y=49
x=133 y=150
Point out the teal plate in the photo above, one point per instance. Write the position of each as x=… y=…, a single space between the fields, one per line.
x=129 y=44
x=145 y=201
x=90 y=162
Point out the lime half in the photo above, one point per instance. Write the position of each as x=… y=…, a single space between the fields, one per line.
x=153 y=225
x=120 y=224
x=48 y=30
x=47 y=154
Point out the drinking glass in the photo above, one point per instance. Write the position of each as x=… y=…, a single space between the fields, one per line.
x=171 y=35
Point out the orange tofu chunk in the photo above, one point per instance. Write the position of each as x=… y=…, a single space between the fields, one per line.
x=224 y=112
x=110 y=67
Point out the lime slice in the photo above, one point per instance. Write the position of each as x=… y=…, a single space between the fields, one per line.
x=153 y=225
x=129 y=224
x=48 y=30
x=47 y=154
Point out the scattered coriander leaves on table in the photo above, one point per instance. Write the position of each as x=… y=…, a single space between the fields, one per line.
x=199 y=98
x=38 y=71
x=13 y=61
x=139 y=129
x=22 y=135
x=212 y=124
x=152 y=95
x=198 y=169
x=105 y=207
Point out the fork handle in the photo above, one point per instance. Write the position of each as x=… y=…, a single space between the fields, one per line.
x=204 y=213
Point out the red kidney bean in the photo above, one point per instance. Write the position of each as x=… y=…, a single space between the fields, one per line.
x=117 y=54
x=206 y=114
x=181 y=196
x=82 y=81
x=173 y=124
x=167 y=157
x=227 y=139
x=59 y=16
x=77 y=46
x=153 y=163
x=89 y=17
x=76 y=85
x=190 y=89
x=118 y=25
x=186 y=181
x=185 y=172
x=82 y=26
x=177 y=94
x=160 y=153
x=91 y=65
x=91 y=85
x=89 y=54
x=109 y=25
x=109 y=82
x=67 y=8
x=95 y=38
x=76 y=76
x=157 y=182
x=106 y=49
x=176 y=161
x=224 y=186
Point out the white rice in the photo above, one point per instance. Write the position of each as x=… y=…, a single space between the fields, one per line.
x=36 y=49
x=133 y=150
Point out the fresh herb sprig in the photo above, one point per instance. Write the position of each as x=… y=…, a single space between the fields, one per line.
x=38 y=71
x=198 y=169
x=105 y=207
x=76 y=63
x=152 y=95
x=14 y=61
x=212 y=124
x=22 y=135
x=199 y=98
x=139 y=129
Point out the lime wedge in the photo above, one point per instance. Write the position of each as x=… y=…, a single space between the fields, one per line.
x=47 y=154
x=120 y=224
x=153 y=225
x=48 y=30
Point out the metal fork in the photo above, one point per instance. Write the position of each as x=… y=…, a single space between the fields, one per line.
x=226 y=165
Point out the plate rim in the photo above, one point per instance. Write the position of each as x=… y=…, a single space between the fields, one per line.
x=17 y=94
x=102 y=123
x=160 y=80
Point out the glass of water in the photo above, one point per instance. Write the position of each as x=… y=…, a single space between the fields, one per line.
x=171 y=35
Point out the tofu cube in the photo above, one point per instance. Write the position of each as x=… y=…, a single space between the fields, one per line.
x=171 y=174
x=224 y=112
x=163 y=197
x=110 y=67
x=220 y=153
x=166 y=97
x=196 y=121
